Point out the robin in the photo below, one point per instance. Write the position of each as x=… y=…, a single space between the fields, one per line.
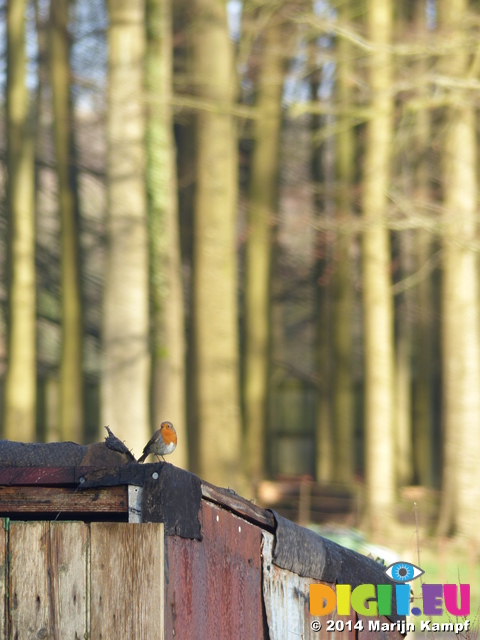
x=163 y=442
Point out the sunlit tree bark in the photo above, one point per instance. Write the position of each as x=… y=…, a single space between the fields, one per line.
x=377 y=296
x=20 y=382
x=215 y=260
x=460 y=303
x=71 y=366
x=126 y=371
x=165 y=263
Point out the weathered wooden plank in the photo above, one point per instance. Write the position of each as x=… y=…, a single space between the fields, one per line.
x=127 y=591
x=147 y=594
x=68 y=566
x=55 y=500
x=235 y=503
x=29 y=603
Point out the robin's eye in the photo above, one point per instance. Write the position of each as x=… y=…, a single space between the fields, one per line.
x=403 y=571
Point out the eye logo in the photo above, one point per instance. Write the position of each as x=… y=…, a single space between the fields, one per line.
x=403 y=572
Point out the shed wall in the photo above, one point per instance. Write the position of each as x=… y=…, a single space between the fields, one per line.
x=213 y=587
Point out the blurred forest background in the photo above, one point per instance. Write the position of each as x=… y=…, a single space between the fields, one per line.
x=257 y=220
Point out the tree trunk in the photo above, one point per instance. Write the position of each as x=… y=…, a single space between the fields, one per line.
x=215 y=254
x=186 y=177
x=377 y=296
x=343 y=471
x=126 y=372
x=262 y=205
x=165 y=263
x=324 y=440
x=403 y=362
x=20 y=383
x=423 y=443
x=460 y=303
x=71 y=366
x=324 y=437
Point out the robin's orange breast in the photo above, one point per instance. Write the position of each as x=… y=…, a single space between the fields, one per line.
x=168 y=436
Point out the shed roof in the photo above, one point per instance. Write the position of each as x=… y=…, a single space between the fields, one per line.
x=173 y=496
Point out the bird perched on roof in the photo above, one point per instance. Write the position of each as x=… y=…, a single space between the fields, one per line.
x=163 y=442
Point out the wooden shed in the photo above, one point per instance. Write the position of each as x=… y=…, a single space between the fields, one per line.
x=109 y=549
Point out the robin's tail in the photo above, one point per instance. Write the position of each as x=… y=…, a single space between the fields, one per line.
x=142 y=457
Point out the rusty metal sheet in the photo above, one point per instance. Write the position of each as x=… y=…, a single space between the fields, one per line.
x=213 y=587
x=287 y=605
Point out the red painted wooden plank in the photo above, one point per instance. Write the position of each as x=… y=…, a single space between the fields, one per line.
x=42 y=475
